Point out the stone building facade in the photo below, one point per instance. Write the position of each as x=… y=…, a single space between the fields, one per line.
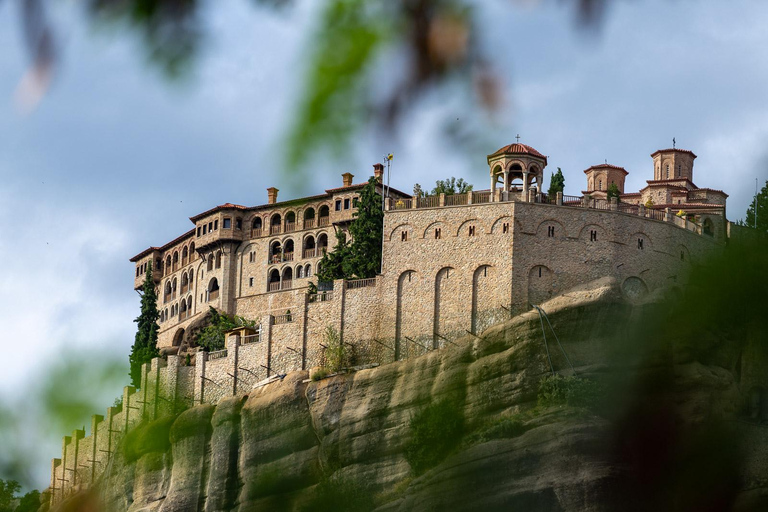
x=451 y=265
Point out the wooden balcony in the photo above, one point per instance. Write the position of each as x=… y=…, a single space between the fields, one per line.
x=256 y=233
x=274 y=230
x=323 y=221
x=288 y=256
x=273 y=287
x=309 y=223
x=309 y=253
x=213 y=295
x=290 y=226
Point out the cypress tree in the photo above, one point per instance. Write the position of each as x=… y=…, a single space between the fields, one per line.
x=145 y=344
x=364 y=259
x=759 y=206
x=556 y=183
x=330 y=267
x=613 y=191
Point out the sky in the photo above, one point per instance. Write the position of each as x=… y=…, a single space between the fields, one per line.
x=116 y=158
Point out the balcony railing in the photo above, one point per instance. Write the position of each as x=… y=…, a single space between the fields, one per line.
x=428 y=202
x=288 y=256
x=360 y=283
x=309 y=223
x=456 y=200
x=252 y=338
x=323 y=221
x=290 y=226
x=402 y=204
x=213 y=295
x=282 y=319
x=273 y=287
x=320 y=296
x=481 y=197
x=286 y=284
x=255 y=232
x=184 y=288
x=219 y=354
x=309 y=253
x=274 y=230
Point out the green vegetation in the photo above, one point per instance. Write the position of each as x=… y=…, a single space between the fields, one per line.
x=556 y=183
x=758 y=208
x=451 y=186
x=335 y=494
x=435 y=431
x=145 y=344
x=361 y=258
x=212 y=336
x=320 y=374
x=148 y=437
x=573 y=391
x=613 y=191
x=30 y=502
x=336 y=351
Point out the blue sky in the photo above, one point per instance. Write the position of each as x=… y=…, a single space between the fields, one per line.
x=116 y=158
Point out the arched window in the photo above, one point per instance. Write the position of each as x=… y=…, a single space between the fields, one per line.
x=183 y=309
x=184 y=282
x=709 y=229
x=288 y=250
x=192 y=253
x=274 y=224
x=274 y=280
x=213 y=289
x=173 y=289
x=168 y=267
x=309 y=218
x=309 y=247
x=290 y=222
x=287 y=279
x=275 y=252
x=191 y=276
x=184 y=256
x=210 y=261
x=299 y=272
x=168 y=291
x=667 y=169
x=308 y=270
x=322 y=215
x=256 y=226
x=175 y=260
x=218 y=259
x=322 y=244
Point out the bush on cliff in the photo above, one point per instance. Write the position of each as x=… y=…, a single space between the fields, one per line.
x=149 y=437
x=212 y=336
x=574 y=391
x=435 y=431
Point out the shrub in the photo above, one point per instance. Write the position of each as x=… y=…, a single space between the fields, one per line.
x=435 y=431
x=320 y=374
x=335 y=352
x=148 y=437
x=573 y=391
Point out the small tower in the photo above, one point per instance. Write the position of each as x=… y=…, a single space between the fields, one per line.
x=673 y=164
x=600 y=177
x=516 y=162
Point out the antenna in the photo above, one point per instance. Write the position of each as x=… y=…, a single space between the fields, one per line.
x=674 y=142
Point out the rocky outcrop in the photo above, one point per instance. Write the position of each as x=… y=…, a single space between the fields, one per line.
x=297 y=444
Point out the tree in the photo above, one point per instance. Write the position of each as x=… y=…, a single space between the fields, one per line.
x=8 y=490
x=212 y=336
x=556 y=183
x=336 y=351
x=30 y=502
x=417 y=191
x=330 y=267
x=363 y=259
x=145 y=344
x=613 y=191
x=451 y=186
x=757 y=213
x=360 y=258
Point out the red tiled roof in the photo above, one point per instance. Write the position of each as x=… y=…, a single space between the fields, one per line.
x=607 y=166
x=711 y=190
x=631 y=194
x=164 y=247
x=518 y=149
x=225 y=206
x=678 y=150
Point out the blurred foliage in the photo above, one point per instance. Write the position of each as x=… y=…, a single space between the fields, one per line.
x=428 y=45
x=68 y=392
x=148 y=437
x=435 y=431
x=30 y=502
x=757 y=212
x=212 y=336
x=8 y=490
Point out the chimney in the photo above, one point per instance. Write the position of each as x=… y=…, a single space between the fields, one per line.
x=272 y=195
x=378 y=172
x=347 y=178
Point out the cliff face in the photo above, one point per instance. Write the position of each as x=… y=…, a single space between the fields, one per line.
x=662 y=417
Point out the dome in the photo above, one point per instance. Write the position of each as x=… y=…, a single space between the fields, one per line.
x=518 y=149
